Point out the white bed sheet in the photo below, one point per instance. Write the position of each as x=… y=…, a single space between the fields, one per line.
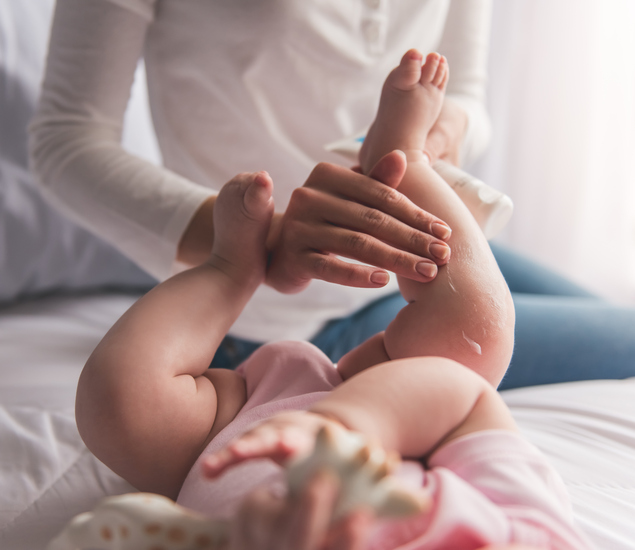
x=47 y=476
x=587 y=429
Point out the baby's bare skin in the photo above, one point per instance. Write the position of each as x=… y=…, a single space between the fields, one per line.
x=411 y=101
x=147 y=402
x=466 y=312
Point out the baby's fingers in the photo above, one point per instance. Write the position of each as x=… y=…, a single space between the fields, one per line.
x=214 y=465
x=264 y=444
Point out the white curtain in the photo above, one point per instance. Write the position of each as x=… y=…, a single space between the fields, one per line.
x=562 y=101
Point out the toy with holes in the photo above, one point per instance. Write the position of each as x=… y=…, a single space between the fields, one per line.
x=144 y=521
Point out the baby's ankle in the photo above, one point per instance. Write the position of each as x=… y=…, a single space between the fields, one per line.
x=240 y=276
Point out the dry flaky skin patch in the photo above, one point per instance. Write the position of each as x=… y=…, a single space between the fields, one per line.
x=144 y=521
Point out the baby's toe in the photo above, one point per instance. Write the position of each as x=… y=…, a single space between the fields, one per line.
x=408 y=72
x=430 y=68
x=440 y=78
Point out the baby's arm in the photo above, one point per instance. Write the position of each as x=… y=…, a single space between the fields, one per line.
x=147 y=401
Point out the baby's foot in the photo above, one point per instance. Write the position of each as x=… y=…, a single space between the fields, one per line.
x=410 y=103
x=242 y=215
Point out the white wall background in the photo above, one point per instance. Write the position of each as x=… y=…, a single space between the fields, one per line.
x=562 y=102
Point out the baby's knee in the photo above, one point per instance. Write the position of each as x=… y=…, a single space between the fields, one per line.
x=478 y=333
x=494 y=352
x=484 y=335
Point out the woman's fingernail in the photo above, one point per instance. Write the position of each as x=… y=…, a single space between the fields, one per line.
x=380 y=278
x=441 y=231
x=441 y=251
x=427 y=269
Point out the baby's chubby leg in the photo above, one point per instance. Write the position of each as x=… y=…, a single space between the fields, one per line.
x=147 y=401
x=466 y=312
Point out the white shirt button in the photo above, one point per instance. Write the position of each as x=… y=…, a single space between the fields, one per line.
x=371 y=31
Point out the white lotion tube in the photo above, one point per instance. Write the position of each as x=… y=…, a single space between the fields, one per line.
x=491 y=208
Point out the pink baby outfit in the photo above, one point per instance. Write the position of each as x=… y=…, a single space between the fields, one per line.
x=489 y=487
x=279 y=377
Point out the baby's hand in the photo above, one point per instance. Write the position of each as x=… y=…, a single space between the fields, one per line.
x=307 y=443
x=280 y=438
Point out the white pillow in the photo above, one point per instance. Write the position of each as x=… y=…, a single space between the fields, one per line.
x=40 y=250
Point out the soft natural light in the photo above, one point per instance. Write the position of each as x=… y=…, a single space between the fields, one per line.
x=562 y=100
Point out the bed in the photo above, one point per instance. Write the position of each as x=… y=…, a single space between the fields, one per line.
x=587 y=429
x=61 y=289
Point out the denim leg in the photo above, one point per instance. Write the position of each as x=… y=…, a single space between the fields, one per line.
x=342 y=335
x=335 y=339
x=565 y=338
x=563 y=332
x=526 y=276
x=232 y=352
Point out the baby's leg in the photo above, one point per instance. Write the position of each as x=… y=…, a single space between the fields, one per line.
x=146 y=400
x=466 y=312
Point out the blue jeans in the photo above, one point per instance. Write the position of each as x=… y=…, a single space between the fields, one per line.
x=563 y=333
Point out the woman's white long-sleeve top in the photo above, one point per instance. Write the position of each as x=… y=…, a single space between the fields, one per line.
x=234 y=86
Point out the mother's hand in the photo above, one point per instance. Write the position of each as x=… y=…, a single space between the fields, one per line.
x=338 y=212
